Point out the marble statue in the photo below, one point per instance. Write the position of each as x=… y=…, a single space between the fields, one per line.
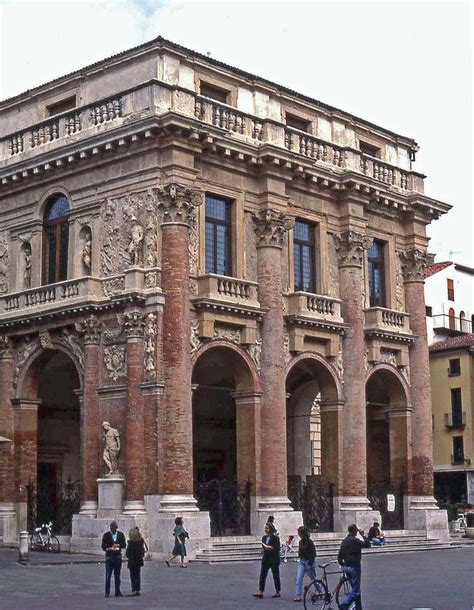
x=27 y=272
x=111 y=448
x=87 y=254
x=135 y=247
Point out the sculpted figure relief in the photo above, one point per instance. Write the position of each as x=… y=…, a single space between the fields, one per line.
x=111 y=448
x=87 y=254
x=135 y=247
x=27 y=272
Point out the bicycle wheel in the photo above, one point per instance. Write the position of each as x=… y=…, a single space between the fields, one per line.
x=316 y=595
x=53 y=545
x=35 y=543
x=342 y=589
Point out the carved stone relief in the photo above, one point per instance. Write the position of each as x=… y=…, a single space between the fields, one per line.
x=45 y=339
x=27 y=257
x=255 y=351
x=333 y=269
x=115 y=361
x=113 y=286
x=72 y=339
x=388 y=355
x=4 y=261
x=151 y=243
x=271 y=226
x=149 y=346
x=286 y=347
x=86 y=257
x=400 y=292
x=351 y=246
x=228 y=333
x=23 y=351
x=195 y=338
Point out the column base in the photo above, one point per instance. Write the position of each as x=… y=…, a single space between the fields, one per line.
x=88 y=507
x=110 y=494
x=87 y=530
x=134 y=507
x=287 y=520
x=161 y=513
x=422 y=513
x=8 y=523
x=354 y=509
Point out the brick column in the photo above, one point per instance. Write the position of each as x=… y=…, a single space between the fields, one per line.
x=271 y=226
x=248 y=432
x=353 y=505
x=399 y=418
x=90 y=416
x=332 y=413
x=134 y=324
x=7 y=462
x=177 y=205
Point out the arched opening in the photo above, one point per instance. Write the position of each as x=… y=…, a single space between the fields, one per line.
x=224 y=438
x=388 y=443
x=52 y=380
x=55 y=239
x=463 y=322
x=452 y=319
x=314 y=414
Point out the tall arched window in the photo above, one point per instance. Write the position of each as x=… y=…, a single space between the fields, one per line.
x=55 y=239
x=463 y=322
x=452 y=319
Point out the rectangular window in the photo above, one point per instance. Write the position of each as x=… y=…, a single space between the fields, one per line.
x=450 y=290
x=303 y=256
x=429 y=311
x=296 y=122
x=377 y=274
x=369 y=149
x=458 y=450
x=454 y=367
x=62 y=106
x=218 y=236
x=215 y=93
x=456 y=407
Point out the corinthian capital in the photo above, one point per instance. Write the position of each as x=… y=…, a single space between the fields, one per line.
x=6 y=347
x=133 y=323
x=350 y=247
x=91 y=329
x=414 y=264
x=271 y=226
x=177 y=203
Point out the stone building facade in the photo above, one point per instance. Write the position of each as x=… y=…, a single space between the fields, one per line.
x=222 y=269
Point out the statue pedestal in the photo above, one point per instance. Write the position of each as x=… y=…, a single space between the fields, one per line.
x=110 y=502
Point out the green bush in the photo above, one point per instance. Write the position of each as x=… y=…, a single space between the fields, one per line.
x=452 y=510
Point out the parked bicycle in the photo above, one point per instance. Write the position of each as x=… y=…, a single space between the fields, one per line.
x=42 y=539
x=317 y=595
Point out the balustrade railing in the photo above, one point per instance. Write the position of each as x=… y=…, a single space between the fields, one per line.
x=16 y=144
x=44 y=134
x=383 y=172
x=314 y=305
x=107 y=111
x=387 y=319
x=228 y=118
x=227 y=288
x=314 y=148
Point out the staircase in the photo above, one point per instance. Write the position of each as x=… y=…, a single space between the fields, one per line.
x=248 y=548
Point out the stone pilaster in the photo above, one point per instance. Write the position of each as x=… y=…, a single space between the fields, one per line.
x=7 y=448
x=134 y=325
x=90 y=416
x=352 y=505
x=421 y=509
x=271 y=226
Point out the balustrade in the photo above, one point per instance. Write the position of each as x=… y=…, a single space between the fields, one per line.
x=314 y=306
x=16 y=144
x=221 y=287
x=389 y=320
x=228 y=118
x=108 y=111
x=314 y=148
x=72 y=123
x=44 y=134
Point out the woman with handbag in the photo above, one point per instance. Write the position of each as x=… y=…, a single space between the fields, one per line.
x=135 y=554
x=179 y=549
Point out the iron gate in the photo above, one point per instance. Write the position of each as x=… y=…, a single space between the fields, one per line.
x=315 y=500
x=228 y=505
x=49 y=503
x=378 y=498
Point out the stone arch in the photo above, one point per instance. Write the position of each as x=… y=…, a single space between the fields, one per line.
x=388 y=417
x=314 y=422
x=56 y=189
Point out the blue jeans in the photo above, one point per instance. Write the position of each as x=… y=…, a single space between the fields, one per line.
x=304 y=567
x=113 y=564
x=377 y=541
x=353 y=576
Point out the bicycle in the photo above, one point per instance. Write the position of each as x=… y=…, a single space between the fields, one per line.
x=317 y=595
x=39 y=543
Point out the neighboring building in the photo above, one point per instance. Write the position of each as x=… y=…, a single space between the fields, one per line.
x=231 y=274
x=449 y=299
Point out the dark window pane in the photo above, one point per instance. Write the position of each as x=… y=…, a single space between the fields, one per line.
x=458 y=449
x=50 y=255
x=376 y=267
x=218 y=259
x=57 y=207
x=302 y=231
x=217 y=209
x=303 y=255
x=64 y=235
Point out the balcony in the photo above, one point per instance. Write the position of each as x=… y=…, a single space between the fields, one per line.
x=48 y=299
x=387 y=321
x=315 y=307
x=450 y=325
x=456 y=421
x=228 y=118
x=227 y=290
x=460 y=460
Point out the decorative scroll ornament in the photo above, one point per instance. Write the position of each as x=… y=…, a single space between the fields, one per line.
x=6 y=347
x=228 y=333
x=45 y=340
x=115 y=362
x=350 y=247
x=24 y=350
x=151 y=243
x=177 y=203
x=4 y=262
x=91 y=329
x=286 y=347
x=255 y=352
x=113 y=286
x=400 y=292
x=133 y=323
x=149 y=347
x=270 y=227
x=75 y=345
x=414 y=264
x=195 y=338
x=389 y=356
x=151 y=279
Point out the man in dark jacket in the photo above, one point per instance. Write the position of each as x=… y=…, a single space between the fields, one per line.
x=349 y=557
x=113 y=542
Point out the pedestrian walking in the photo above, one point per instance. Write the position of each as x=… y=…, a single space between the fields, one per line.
x=376 y=536
x=113 y=542
x=349 y=558
x=306 y=561
x=179 y=548
x=270 y=561
x=135 y=554
x=271 y=523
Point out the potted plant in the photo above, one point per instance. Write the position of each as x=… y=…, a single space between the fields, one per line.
x=470 y=525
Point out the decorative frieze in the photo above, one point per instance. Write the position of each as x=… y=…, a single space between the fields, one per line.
x=271 y=227
x=113 y=286
x=227 y=333
x=115 y=362
x=177 y=203
x=351 y=247
x=4 y=261
x=414 y=263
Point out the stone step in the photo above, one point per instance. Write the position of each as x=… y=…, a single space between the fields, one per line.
x=319 y=544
